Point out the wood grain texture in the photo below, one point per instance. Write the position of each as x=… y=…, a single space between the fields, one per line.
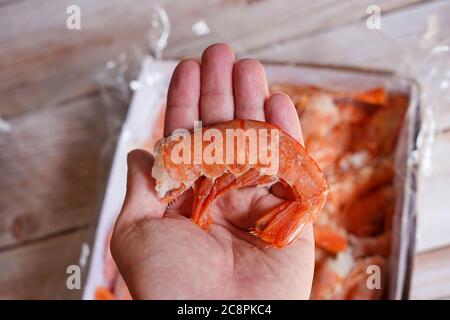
x=249 y=26
x=49 y=161
x=49 y=168
x=42 y=63
x=38 y=270
x=433 y=201
x=37 y=70
x=402 y=40
x=431 y=275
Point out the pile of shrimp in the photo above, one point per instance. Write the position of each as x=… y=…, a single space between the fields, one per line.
x=352 y=137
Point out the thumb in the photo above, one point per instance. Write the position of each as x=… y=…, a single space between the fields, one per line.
x=141 y=200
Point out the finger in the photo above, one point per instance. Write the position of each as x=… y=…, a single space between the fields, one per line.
x=141 y=200
x=183 y=97
x=280 y=110
x=250 y=89
x=216 y=100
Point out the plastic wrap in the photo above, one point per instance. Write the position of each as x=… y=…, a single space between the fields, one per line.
x=144 y=125
x=433 y=75
x=4 y=126
x=403 y=229
x=118 y=80
x=429 y=63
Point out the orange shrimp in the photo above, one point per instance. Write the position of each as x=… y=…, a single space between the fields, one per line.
x=374 y=96
x=356 y=183
x=301 y=95
x=353 y=111
x=352 y=136
x=326 y=149
x=382 y=129
x=366 y=216
x=327 y=283
x=211 y=179
x=330 y=275
x=329 y=239
x=102 y=293
x=332 y=121
x=356 y=286
x=343 y=277
x=372 y=246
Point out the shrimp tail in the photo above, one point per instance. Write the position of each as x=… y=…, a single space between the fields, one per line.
x=281 y=225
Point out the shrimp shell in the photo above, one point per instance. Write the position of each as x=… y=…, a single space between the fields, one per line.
x=296 y=169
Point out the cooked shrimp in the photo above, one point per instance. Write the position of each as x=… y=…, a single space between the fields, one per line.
x=330 y=239
x=356 y=286
x=356 y=183
x=211 y=179
x=366 y=216
x=333 y=122
x=330 y=275
x=372 y=246
x=327 y=148
x=301 y=95
x=343 y=277
x=102 y=293
x=381 y=131
x=352 y=136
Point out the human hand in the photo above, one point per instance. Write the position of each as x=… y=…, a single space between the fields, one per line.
x=160 y=253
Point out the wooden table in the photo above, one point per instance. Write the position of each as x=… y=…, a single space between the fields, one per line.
x=49 y=159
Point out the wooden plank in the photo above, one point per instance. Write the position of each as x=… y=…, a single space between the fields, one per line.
x=38 y=270
x=396 y=46
x=42 y=63
x=4 y=3
x=45 y=70
x=37 y=70
x=256 y=24
x=431 y=275
x=49 y=169
x=433 y=201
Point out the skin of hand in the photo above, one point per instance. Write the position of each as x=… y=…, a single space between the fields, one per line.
x=160 y=253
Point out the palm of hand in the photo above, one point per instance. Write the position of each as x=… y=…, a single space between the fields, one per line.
x=162 y=254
